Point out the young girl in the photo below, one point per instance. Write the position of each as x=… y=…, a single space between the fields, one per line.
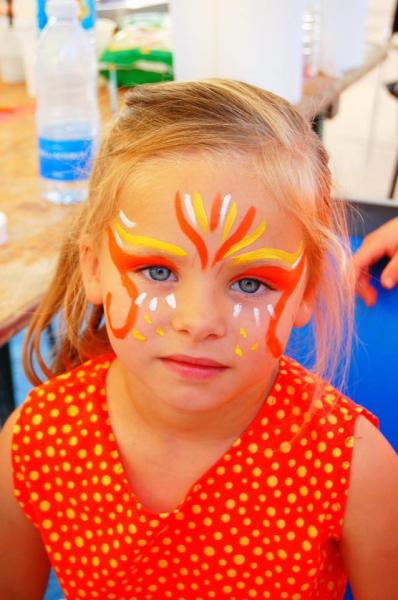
x=175 y=452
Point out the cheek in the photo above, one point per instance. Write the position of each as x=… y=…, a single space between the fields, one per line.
x=250 y=324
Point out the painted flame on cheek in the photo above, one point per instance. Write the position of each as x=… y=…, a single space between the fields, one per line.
x=283 y=280
x=126 y=262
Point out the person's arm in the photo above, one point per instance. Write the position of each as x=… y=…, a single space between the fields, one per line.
x=369 y=544
x=379 y=243
x=24 y=566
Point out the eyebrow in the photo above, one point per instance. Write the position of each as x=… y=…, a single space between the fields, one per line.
x=142 y=241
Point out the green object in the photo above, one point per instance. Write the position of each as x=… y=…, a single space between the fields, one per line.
x=138 y=65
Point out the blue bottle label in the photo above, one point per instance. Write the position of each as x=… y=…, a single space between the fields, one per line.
x=65 y=160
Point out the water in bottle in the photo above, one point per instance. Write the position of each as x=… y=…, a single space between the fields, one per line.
x=67 y=106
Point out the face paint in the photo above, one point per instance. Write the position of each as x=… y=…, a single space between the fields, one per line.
x=126 y=221
x=215 y=211
x=171 y=301
x=237 y=236
x=127 y=262
x=283 y=280
x=290 y=259
x=190 y=232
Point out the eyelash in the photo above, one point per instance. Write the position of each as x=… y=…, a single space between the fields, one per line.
x=261 y=288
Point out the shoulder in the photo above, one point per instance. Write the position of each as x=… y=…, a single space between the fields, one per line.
x=370 y=531
x=63 y=391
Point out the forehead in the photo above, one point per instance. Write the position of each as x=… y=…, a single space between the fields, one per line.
x=149 y=200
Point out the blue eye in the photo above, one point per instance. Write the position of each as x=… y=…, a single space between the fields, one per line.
x=159 y=273
x=248 y=285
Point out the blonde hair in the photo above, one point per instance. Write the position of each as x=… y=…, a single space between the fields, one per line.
x=215 y=117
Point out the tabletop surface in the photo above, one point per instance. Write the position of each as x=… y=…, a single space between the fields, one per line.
x=35 y=226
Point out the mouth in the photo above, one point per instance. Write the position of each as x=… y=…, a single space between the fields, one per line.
x=192 y=367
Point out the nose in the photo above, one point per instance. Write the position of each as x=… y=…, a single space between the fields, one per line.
x=199 y=313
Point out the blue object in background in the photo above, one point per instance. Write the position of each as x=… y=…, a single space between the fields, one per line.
x=87 y=11
x=373 y=375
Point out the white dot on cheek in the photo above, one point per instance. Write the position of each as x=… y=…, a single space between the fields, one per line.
x=153 y=304
x=140 y=299
x=237 y=310
x=271 y=310
x=256 y=313
x=171 y=300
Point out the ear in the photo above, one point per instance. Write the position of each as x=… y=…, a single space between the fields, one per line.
x=305 y=310
x=90 y=269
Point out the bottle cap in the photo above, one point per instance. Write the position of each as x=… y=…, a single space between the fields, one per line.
x=62 y=8
x=3 y=229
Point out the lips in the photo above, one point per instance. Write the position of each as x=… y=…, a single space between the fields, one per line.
x=195 y=361
x=193 y=367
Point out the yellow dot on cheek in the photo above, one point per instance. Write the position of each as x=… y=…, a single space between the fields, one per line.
x=160 y=331
x=238 y=351
x=243 y=332
x=254 y=347
x=147 y=319
x=138 y=335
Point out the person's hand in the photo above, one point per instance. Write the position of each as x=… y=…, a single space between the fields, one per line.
x=381 y=242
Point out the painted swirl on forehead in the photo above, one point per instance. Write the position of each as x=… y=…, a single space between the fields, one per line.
x=125 y=262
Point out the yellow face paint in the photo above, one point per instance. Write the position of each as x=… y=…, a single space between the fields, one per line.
x=160 y=331
x=147 y=319
x=147 y=242
x=269 y=254
x=249 y=239
x=200 y=212
x=229 y=221
x=238 y=351
x=254 y=347
x=138 y=335
x=243 y=333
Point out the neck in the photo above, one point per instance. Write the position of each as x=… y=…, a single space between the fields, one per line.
x=132 y=402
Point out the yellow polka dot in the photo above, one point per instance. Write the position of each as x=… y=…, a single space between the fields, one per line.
x=98 y=449
x=312 y=531
x=302 y=471
x=306 y=545
x=73 y=410
x=337 y=452
x=239 y=559
x=272 y=481
x=209 y=551
x=37 y=419
x=45 y=506
x=328 y=468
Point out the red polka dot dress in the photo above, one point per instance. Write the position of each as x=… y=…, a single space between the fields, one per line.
x=263 y=522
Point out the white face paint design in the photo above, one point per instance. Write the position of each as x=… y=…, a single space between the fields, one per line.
x=171 y=300
x=140 y=299
x=153 y=304
x=126 y=221
x=237 y=310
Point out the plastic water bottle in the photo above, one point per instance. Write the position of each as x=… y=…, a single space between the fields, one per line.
x=67 y=107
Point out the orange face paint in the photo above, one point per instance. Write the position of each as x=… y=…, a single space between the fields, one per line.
x=282 y=280
x=126 y=262
x=215 y=212
x=190 y=232
x=237 y=236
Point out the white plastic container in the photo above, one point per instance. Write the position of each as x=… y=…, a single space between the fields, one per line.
x=67 y=106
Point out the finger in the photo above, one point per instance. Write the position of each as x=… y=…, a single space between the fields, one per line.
x=365 y=290
x=368 y=254
x=389 y=276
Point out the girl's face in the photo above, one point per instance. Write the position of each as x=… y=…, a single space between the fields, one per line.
x=202 y=278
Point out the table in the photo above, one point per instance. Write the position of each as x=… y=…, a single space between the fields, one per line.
x=35 y=226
